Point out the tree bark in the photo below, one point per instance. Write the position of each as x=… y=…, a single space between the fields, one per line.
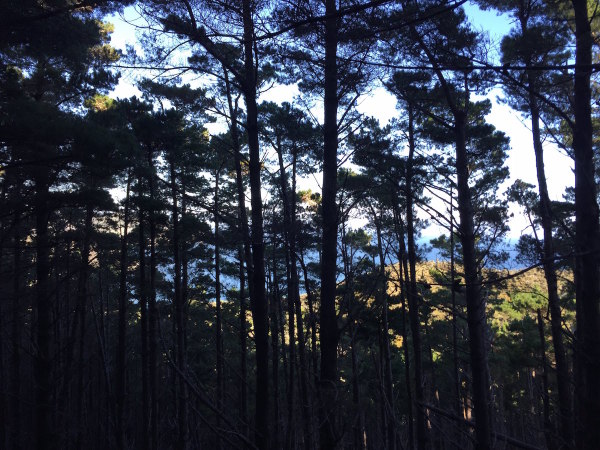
x=387 y=359
x=476 y=318
x=178 y=300
x=82 y=294
x=143 y=300
x=329 y=333
x=121 y=356
x=587 y=337
x=258 y=299
x=45 y=438
x=153 y=358
x=299 y=319
x=545 y=211
x=413 y=295
x=15 y=360
x=245 y=253
x=548 y=428
x=276 y=323
x=218 y=318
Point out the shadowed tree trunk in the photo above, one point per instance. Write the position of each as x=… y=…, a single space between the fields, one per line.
x=389 y=406
x=276 y=322
x=245 y=252
x=44 y=437
x=413 y=295
x=153 y=353
x=545 y=211
x=178 y=300
x=15 y=360
x=292 y=288
x=143 y=294
x=121 y=356
x=82 y=294
x=258 y=297
x=475 y=302
x=329 y=333
x=548 y=428
x=218 y=318
x=299 y=319
x=476 y=318
x=587 y=338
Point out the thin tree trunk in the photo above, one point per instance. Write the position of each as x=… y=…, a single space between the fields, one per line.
x=243 y=336
x=45 y=437
x=182 y=320
x=81 y=311
x=143 y=294
x=15 y=360
x=548 y=428
x=276 y=322
x=292 y=289
x=121 y=357
x=413 y=295
x=406 y=289
x=153 y=312
x=219 y=325
x=312 y=320
x=299 y=318
x=387 y=360
x=545 y=210
x=181 y=401
x=404 y=280
x=245 y=253
x=455 y=361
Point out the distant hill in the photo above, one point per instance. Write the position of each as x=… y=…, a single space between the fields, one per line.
x=511 y=294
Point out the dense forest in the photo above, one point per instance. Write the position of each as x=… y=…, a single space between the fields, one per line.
x=163 y=286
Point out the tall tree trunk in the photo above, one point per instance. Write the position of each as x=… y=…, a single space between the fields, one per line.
x=292 y=289
x=403 y=279
x=82 y=294
x=476 y=318
x=243 y=337
x=258 y=298
x=387 y=360
x=545 y=211
x=15 y=438
x=406 y=289
x=413 y=295
x=455 y=361
x=587 y=279
x=312 y=319
x=357 y=425
x=218 y=323
x=121 y=356
x=245 y=252
x=45 y=438
x=548 y=428
x=153 y=358
x=178 y=300
x=276 y=322
x=299 y=319
x=143 y=294
x=329 y=333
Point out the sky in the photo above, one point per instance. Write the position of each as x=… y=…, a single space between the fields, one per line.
x=382 y=105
